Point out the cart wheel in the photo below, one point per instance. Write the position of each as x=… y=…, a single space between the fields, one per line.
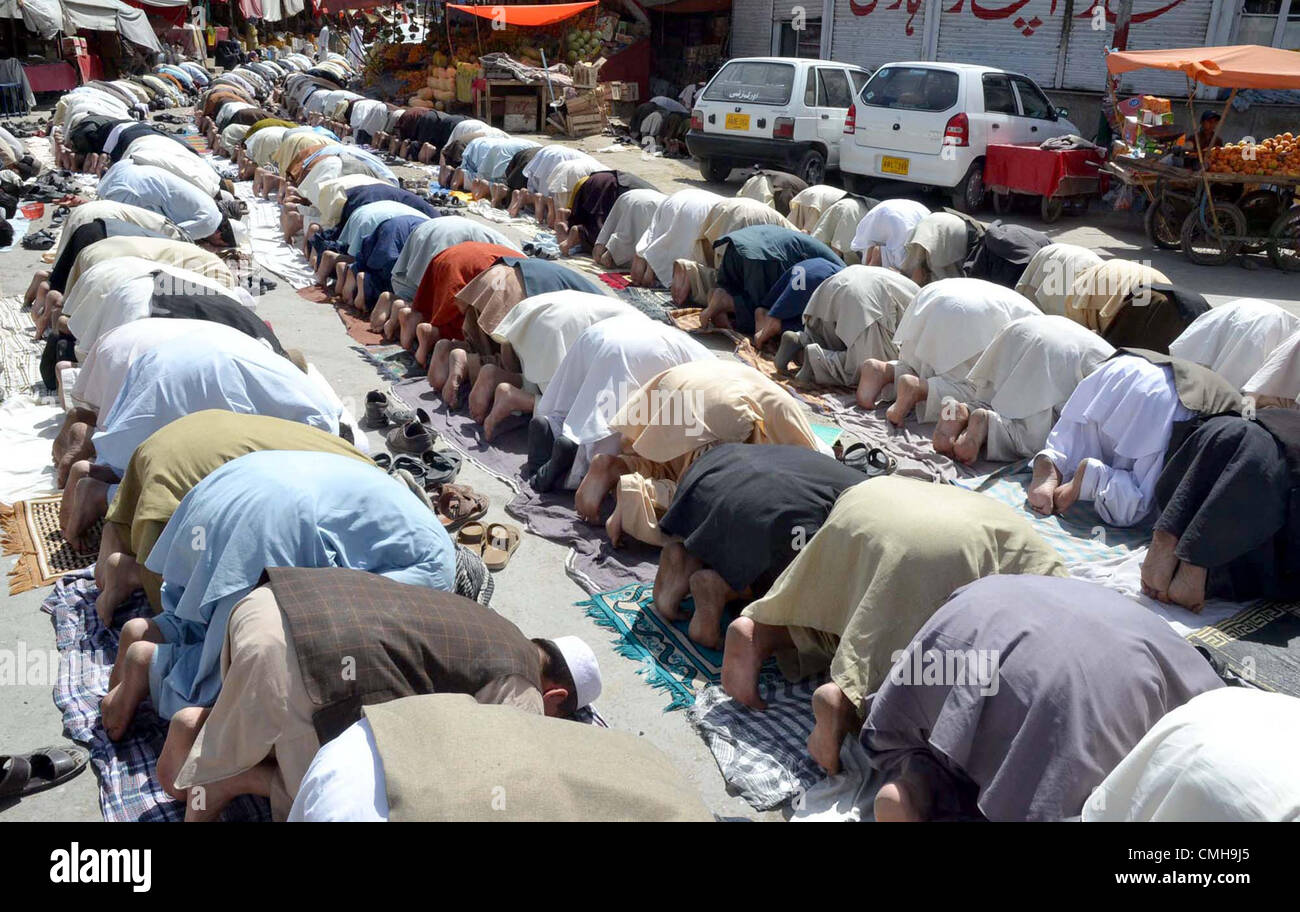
x=1204 y=246
x=1051 y=208
x=1284 y=241
x=1002 y=202
x=1261 y=208
x=1163 y=225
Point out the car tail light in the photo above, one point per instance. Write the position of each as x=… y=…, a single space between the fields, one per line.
x=957 y=132
x=783 y=128
x=697 y=119
x=851 y=120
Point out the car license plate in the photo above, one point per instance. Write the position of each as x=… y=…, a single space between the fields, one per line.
x=890 y=164
x=737 y=122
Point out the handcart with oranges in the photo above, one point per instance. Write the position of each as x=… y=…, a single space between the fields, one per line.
x=1242 y=198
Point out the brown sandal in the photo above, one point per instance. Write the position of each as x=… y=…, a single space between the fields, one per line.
x=472 y=537
x=502 y=540
x=456 y=505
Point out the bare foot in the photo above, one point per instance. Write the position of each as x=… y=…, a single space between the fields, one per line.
x=600 y=479
x=614 y=530
x=672 y=580
x=952 y=421
x=1159 y=565
x=1067 y=495
x=711 y=594
x=1042 y=488
x=765 y=328
x=875 y=376
x=121 y=578
x=746 y=649
x=680 y=287
x=89 y=505
x=970 y=441
x=182 y=732
x=895 y=803
x=502 y=409
x=408 y=321
x=483 y=392
x=1187 y=588
x=457 y=374
x=836 y=717
x=117 y=708
x=911 y=390
x=425 y=337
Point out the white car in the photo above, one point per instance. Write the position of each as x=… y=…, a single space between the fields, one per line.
x=931 y=123
x=782 y=112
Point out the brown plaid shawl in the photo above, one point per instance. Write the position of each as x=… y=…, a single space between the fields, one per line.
x=363 y=639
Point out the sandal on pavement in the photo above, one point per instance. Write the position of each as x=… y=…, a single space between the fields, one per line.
x=502 y=540
x=457 y=505
x=441 y=466
x=26 y=774
x=870 y=461
x=472 y=537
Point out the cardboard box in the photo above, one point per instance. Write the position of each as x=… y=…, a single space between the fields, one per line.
x=587 y=75
x=521 y=104
x=520 y=123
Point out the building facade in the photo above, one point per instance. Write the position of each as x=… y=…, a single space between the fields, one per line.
x=1059 y=43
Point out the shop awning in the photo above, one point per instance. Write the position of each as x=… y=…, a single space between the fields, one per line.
x=526 y=15
x=110 y=16
x=44 y=17
x=1238 y=66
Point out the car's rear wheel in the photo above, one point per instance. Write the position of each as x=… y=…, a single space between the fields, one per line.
x=812 y=167
x=716 y=170
x=968 y=196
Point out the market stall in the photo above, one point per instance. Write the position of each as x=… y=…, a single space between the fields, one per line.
x=1219 y=201
x=1059 y=176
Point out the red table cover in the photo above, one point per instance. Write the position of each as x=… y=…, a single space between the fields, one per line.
x=51 y=77
x=1029 y=169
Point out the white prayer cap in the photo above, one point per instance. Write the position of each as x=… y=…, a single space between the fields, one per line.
x=581 y=662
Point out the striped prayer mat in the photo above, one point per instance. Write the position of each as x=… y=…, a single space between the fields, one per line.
x=128 y=783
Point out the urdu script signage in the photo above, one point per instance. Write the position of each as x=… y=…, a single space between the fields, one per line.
x=993 y=11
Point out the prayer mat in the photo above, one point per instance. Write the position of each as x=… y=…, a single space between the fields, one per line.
x=30 y=530
x=356 y=324
x=1259 y=644
x=394 y=363
x=20 y=353
x=128 y=785
x=616 y=280
x=652 y=302
x=762 y=755
x=1079 y=535
x=592 y=562
x=196 y=141
x=910 y=445
x=670 y=661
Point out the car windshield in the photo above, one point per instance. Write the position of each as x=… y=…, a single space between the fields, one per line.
x=753 y=81
x=911 y=89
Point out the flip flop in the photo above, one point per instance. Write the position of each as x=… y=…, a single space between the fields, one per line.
x=441 y=466
x=502 y=540
x=26 y=774
x=472 y=537
x=457 y=505
x=412 y=465
x=383 y=460
x=870 y=461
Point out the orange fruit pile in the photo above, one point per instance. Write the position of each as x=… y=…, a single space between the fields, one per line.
x=1278 y=156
